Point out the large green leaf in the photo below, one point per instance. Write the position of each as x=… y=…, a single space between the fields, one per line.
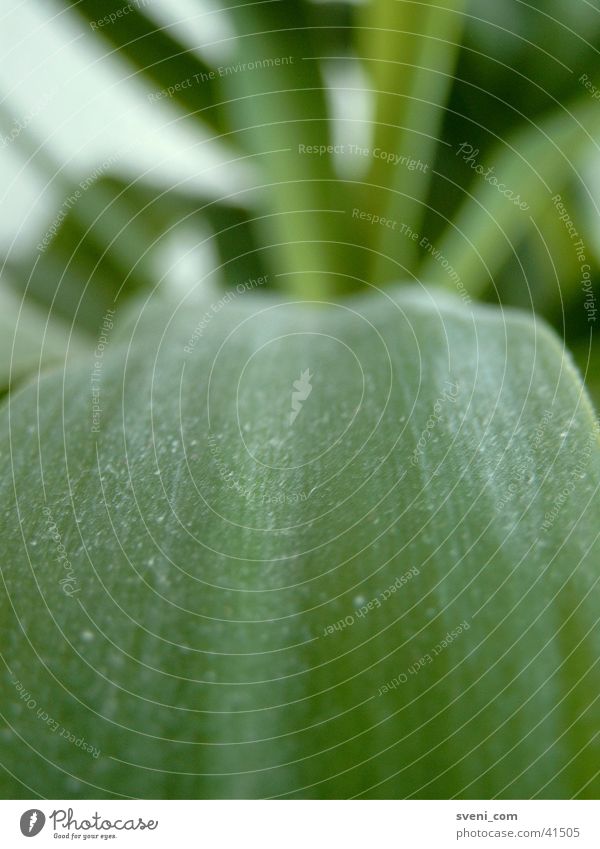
x=437 y=495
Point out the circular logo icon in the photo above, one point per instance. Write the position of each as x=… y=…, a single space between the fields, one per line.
x=32 y=822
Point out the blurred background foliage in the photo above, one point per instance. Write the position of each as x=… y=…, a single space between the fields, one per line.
x=112 y=191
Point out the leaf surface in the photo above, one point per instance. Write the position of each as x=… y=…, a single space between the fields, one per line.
x=394 y=595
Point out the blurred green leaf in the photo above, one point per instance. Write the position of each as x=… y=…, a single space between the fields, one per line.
x=534 y=164
x=32 y=339
x=214 y=549
x=157 y=53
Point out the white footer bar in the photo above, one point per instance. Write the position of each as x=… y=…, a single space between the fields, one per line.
x=301 y=824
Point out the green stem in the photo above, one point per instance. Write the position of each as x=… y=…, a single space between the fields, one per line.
x=277 y=110
x=410 y=49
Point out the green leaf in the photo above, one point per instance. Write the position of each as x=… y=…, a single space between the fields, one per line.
x=394 y=595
